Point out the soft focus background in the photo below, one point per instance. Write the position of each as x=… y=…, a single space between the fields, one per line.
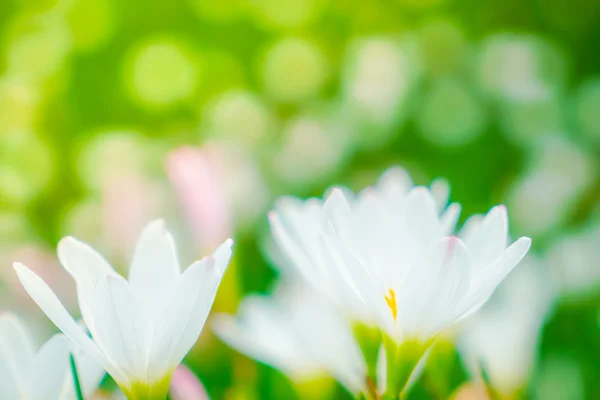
x=113 y=113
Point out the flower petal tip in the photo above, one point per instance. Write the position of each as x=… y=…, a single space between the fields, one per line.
x=19 y=267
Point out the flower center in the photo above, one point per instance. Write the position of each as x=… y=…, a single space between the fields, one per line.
x=390 y=299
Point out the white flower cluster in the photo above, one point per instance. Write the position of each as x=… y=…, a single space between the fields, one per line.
x=383 y=276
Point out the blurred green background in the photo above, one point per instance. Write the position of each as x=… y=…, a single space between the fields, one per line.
x=502 y=98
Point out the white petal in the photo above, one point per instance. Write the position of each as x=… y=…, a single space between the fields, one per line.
x=485 y=282
x=365 y=296
x=87 y=267
x=344 y=289
x=121 y=327
x=470 y=227
x=449 y=219
x=178 y=329
x=155 y=267
x=433 y=287
x=263 y=332
x=440 y=189
x=489 y=240
x=53 y=308
x=393 y=185
x=297 y=237
x=415 y=230
x=50 y=367
x=16 y=348
x=8 y=382
x=81 y=261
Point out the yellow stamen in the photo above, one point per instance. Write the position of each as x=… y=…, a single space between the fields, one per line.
x=390 y=299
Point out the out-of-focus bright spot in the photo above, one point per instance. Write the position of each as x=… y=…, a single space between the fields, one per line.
x=574 y=259
x=219 y=11
x=450 y=115
x=376 y=81
x=18 y=105
x=559 y=378
x=241 y=116
x=294 y=70
x=588 y=109
x=110 y=154
x=519 y=67
x=545 y=196
x=26 y=166
x=90 y=23
x=286 y=13
x=15 y=189
x=525 y=120
x=36 y=53
x=312 y=149
x=13 y=227
x=161 y=72
x=443 y=47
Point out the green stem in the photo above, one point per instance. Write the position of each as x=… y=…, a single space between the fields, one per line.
x=401 y=361
x=76 y=382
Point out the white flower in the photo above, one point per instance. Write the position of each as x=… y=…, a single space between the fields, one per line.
x=503 y=336
x=141 y=327
x=386 y=258
x=298 y=332
x=45 y=375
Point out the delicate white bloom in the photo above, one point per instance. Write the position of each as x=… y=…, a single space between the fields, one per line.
x=141 y=327
x=503 y=337
x=45 y=375
x=386 y=257
x=298 y=332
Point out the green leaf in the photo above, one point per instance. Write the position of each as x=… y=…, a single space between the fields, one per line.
x=76 y=383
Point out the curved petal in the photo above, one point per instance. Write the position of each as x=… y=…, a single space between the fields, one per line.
x=440 y=190
x=87 y=267
x=262 y=331
x=449 y=219
x=297 y=240
x=433 y=287
x=53 y=308
x=49 y=369
x=155 y=267
x=178 y=329
x=393 y=185
x=488 y=241
x=121 y=327
x=81 y=261
x=16 y=348
x=484 y=283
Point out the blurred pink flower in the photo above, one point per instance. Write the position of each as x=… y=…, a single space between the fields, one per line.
x=196 y=175
x=186 y=386
x=129 y=201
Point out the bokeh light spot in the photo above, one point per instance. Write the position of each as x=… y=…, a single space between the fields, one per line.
x=160 y=73
x=294 y=69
